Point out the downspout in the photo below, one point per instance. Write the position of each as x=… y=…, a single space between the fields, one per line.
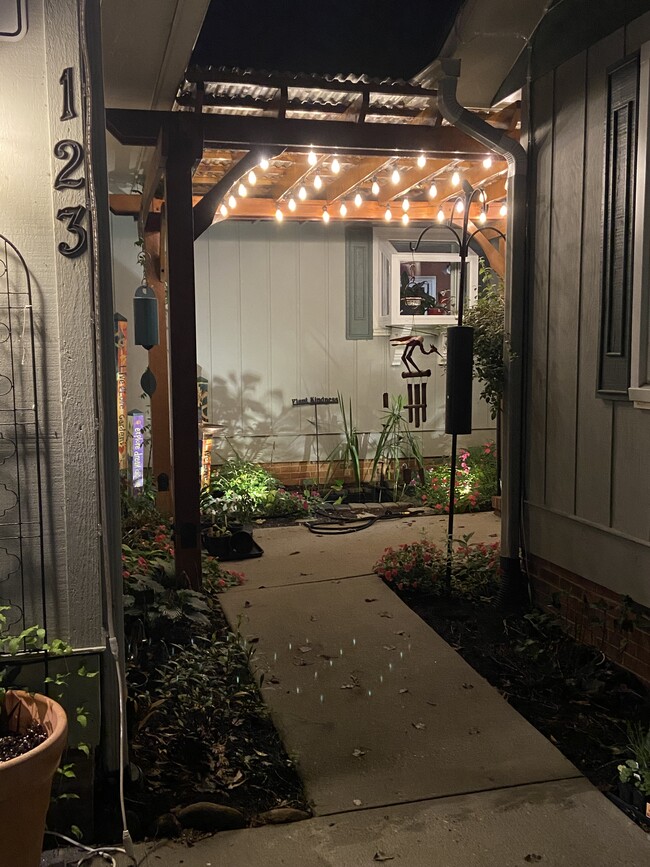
x=513 y=423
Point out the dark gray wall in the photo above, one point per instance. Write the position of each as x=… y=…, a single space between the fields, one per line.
x=587 y=498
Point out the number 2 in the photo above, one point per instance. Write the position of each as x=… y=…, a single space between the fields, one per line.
x=63 y=179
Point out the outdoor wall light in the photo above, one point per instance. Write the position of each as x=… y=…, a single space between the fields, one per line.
x=145 y=316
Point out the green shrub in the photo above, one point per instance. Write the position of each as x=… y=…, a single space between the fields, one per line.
x=476 y=481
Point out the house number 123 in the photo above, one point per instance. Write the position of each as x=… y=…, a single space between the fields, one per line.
x=73 y=152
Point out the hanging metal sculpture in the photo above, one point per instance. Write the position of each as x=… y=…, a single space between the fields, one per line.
x=416 y=393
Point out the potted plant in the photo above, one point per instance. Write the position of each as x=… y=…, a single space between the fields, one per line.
x=33 y=733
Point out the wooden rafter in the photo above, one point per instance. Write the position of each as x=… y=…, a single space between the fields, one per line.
x=412 y=178
x=347 y=182
x=292 y=177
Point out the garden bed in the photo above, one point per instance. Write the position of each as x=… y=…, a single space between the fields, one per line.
x=569 y=691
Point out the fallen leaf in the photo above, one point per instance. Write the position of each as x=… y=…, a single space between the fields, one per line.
x=274 y=679
x=532 y=858
x=312 y=618
x=325 y=656
x=386 y=614
x=294 y=552
x=468 y=686
x=247 y=604
x=389 y=647
x=357 y=802
x=306 y=648
x=302 y=661
x=371 y=600
x=305 y=574
x=402 y=691
x=432 y=703
x=381 y=856
x=474 y=731
x=400 y=632
x=358 y=753
x=348 y=686
x=418 y=725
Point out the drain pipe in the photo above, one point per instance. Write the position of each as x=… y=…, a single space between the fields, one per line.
x=513 y=588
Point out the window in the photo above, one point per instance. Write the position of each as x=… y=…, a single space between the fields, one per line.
x=419 y=288
x=639 y=390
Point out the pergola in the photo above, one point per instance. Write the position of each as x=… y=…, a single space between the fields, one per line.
x=357 y=147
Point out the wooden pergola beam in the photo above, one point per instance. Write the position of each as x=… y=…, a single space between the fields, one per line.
x=345 y=183
x=293 y=177
x=140 y=128
x=412 y=178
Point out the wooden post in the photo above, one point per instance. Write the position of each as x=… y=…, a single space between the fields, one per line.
x=160 y=434
x=183 y=148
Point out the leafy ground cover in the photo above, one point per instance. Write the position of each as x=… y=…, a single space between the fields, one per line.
x=586 y=705
x=476 y=481
x=198 y=727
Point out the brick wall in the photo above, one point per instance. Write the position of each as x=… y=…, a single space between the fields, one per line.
x=295 y=472
x=595 y=615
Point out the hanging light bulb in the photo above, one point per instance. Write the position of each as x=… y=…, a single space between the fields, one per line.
x=318 y=183
x=487 y=163
x=241 y=189
x=279 y=216
x=405 y=218
x=252 y=178
x=405 y=204
x=460 y=206
x=302 y=194
x=336 y=166
x=232 y=201
x=503 y=210
x=395 y=176
x=441 y=216
x=358 y=199
x=422 y=161
x=264 y=164
x=343 y=209
x=482 y=195
x=312 y=159
x=433 y=191
x=223 y=209
x=482 y=217
x=291 y=204
x=326 y=215
x=388 y=215
x=375 y=187
x=455 y=179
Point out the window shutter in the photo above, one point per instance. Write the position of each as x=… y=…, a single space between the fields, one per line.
x=358 y=283
x=623 y=85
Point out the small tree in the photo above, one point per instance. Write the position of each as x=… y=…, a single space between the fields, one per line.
x=487 y=318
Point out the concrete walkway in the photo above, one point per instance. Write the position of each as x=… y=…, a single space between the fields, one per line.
x=407 y=754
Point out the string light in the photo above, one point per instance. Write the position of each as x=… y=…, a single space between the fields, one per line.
x=224 y=210
x=358 y=199
x=405 y=218
x=375 y=187
x=487 y=163
x=312 y=159
x=264 y=164
x=252 y=178
x=279 y=216
x=405 y=204
x=482 y=196
x=302 y=194
x=291 y=204
x=460 y=206
x=395 y=176
x=318 y=183
x=422 y=161
x=441 y=216
x=336 y=166
x=503 y=210
x=343 y=209
x=482 y=217
x=433 y=191
x=241 y=189
x=455 y=179
x=232 y=201
x=388 y=215
x=326 y=215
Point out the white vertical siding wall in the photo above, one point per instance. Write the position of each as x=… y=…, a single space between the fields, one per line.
x=271 y=327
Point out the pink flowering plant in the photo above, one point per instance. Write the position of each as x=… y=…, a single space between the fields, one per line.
x=420 y=567
x=476 y=481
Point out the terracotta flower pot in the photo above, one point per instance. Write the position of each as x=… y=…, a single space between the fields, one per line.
x=26 y=782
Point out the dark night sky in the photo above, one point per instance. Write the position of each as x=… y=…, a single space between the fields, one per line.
x=394 y=38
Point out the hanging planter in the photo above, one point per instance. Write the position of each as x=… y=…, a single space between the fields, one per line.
x=26 y=781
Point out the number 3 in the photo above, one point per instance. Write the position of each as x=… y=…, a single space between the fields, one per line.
x=74 y=216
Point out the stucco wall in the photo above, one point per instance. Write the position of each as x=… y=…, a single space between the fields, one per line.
x=31 y=104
